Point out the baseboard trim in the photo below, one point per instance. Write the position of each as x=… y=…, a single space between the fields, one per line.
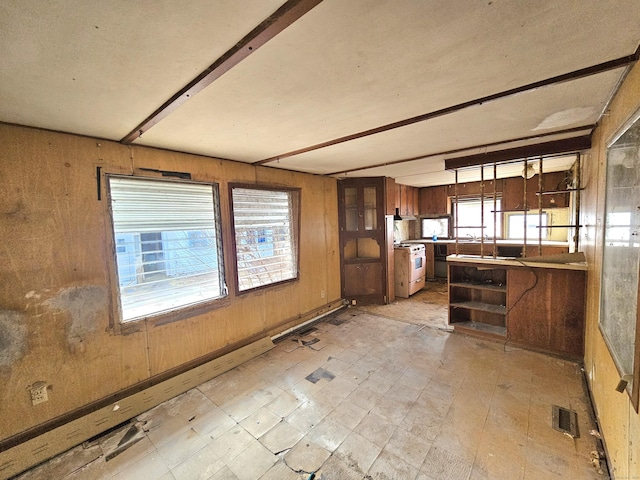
x=33 y=451
x=42 y=442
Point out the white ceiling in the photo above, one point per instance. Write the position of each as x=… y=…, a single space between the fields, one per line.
x=101 y=68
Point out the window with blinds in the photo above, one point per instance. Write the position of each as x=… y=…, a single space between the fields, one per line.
x=265 y=223
x=166 y=238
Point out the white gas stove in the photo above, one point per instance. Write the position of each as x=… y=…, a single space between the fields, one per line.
x=411 y=247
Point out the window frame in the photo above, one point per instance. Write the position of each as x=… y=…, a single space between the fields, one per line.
x=296 y=203
x=606 y=329
x=488 y=201
x=509 y=216
x=120 y=326
x=448 y=218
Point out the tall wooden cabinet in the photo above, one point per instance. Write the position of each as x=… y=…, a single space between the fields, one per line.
x=366 y=239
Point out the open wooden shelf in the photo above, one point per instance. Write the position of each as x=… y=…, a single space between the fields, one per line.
x=480 y=328
x=481 y=307
x=477 y=299
x=479 y=286
x=556 y=192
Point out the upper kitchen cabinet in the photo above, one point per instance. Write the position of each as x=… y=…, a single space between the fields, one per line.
x=433 y=201
x=366 y=239
x=407 y=200
x=513 y=192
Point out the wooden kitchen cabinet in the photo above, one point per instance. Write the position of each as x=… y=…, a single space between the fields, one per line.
x=430 y=268
x=539 y=307
x=390 y=192
x=513 y=192
x=404 y=200
x=366 y=239
x=364 y=279
x=478 y=298
x=504 y=250
x=550 y=314
x=433 y=200
x=407 y=200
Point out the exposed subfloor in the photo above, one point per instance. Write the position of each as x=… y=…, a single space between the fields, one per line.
x=393 y=398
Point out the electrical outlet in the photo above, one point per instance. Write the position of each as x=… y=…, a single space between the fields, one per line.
x=323 y=293
x=38 y=393
x=353 y=302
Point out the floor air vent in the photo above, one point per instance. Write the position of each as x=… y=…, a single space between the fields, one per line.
x=565 y=421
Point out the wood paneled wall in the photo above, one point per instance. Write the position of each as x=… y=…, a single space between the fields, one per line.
x=56 y=289
x=619 y=422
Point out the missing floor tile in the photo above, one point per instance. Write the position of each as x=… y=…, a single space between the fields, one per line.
x=336 y=321
x=565 y=421
x=106 y=434
x=132 y=436
x=305 y=331
x=319 y=374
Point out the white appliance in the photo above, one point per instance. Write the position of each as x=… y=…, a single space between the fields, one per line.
x=410 y=268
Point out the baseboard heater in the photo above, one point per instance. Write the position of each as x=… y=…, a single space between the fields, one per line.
x=53 y=442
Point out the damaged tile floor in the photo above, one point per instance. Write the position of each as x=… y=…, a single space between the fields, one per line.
x=362 y=396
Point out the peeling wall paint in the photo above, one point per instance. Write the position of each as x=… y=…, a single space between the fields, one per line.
x=13 y=337
x=57 y=278
x=84 y=305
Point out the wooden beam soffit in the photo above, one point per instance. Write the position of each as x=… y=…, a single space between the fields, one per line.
x=566 y=77
x=566 y=145
x=282 y=18
x=466 y=149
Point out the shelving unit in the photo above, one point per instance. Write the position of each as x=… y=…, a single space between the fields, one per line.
x=535 y=305
x=524 y=202
x=477 y=299
x=555 y=192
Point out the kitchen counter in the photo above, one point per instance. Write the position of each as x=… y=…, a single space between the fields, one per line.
x=437 y=251
x=510 y=243
x=533 y=304
x=511 y=262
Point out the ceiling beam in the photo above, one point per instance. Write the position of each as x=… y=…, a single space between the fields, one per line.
x=466 y=149
x=566 y=77
x=567 y=145
x=286 y=15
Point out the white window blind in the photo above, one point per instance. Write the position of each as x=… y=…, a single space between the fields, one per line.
x=166 y=241
x=265 y=236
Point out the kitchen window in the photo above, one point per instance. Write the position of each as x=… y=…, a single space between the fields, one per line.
x=265 y=222
x=468 y=218
x=167 y=245
x=437 y=226
x=536 y=225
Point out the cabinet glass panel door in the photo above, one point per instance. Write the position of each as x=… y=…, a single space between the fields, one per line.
x=351 y=209
x=370 y=211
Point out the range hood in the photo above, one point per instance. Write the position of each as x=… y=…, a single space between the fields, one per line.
x=397 y=216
